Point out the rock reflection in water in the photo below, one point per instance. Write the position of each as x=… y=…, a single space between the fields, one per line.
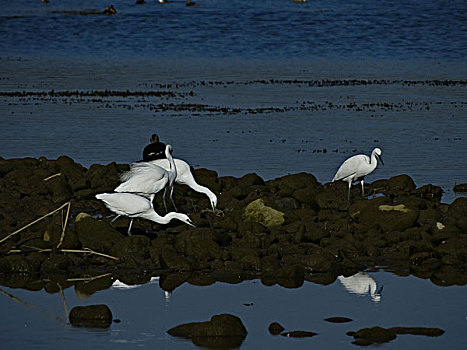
x=362 y=284
x=121 y=285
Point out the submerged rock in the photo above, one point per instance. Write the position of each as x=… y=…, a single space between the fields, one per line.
x=338 y=319
x=275 y=328
x=299 y=334
x=367 y=336
x=429 y=332
x=92 y=316
x=222 y=331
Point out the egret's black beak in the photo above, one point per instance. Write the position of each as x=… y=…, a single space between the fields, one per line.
x=380 y=159
x=189 y=222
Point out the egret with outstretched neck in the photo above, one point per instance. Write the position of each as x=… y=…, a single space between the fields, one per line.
x=185 y=177
x=357 y=167
x=147 y=179
x=133 y=206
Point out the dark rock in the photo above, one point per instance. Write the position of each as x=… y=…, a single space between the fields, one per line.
x=13 y=264
x=374 y=335
x=223 y=325
x=338 y=319
x=429 y=332
x=97 y=235
x=460 y=188
x=456 y=214
x=133 y=250
x=92 y=316
x=88 y=288
x=333 y=196
x=401 y=185
x=429 y=191
x=275 y=328
x=171 y=260
x=378 y=212
x=299 y=334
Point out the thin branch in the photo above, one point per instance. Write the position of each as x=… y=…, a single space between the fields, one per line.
x=32 y=223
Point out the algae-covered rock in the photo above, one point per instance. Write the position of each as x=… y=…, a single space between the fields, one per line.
x=92 y=316
x=257 y=211
x=338 y=319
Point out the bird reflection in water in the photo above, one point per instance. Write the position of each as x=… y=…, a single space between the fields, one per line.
x=121 y=285
x=362 y=284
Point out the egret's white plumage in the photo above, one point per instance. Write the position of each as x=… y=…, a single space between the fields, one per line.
x=357 y=167
x=134 y=206
x=147 y=179
x=185 y=177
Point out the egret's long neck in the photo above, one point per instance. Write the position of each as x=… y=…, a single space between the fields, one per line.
x=373 y=161
x=172 y=167
x=160 y=219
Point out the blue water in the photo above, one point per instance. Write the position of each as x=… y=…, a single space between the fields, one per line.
x=267 y=29
x=146 y=314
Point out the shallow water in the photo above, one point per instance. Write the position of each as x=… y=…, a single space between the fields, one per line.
x=146 y=314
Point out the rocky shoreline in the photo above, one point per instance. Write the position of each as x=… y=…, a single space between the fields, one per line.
x=283 y=231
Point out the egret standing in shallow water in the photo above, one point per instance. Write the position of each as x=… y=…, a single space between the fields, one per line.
x=134 y=206
x=147 y=179
x=357 y=167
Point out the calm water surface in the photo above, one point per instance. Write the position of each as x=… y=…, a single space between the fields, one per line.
x=264 y=60
x=146 y=314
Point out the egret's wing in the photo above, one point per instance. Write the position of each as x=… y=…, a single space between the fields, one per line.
x=350 y=167
x=143 y=179
x=125 y=203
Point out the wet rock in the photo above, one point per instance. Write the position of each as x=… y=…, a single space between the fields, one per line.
x=133 y=250
x=456 y=214
x=429 y=332
x=460 y=188
x=14 y=264
x=429 y=191
x=367 y=336
x=290 y=276
x=103 y=178
x=338 y=319
x=275 y=328
x=56 y=263
x=97 y=235
x=172 y=260
x=401 y=185
x=379 y=212
x=170 y=281
x=222 y=331
x=92 y=316
x=257 y=211
x=299 y=334
x=333 y=196
x=88 y=288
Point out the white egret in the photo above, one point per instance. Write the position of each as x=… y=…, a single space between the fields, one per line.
x=185 y=177
x=147 y=179
x=134 y=206
x=357 y=167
